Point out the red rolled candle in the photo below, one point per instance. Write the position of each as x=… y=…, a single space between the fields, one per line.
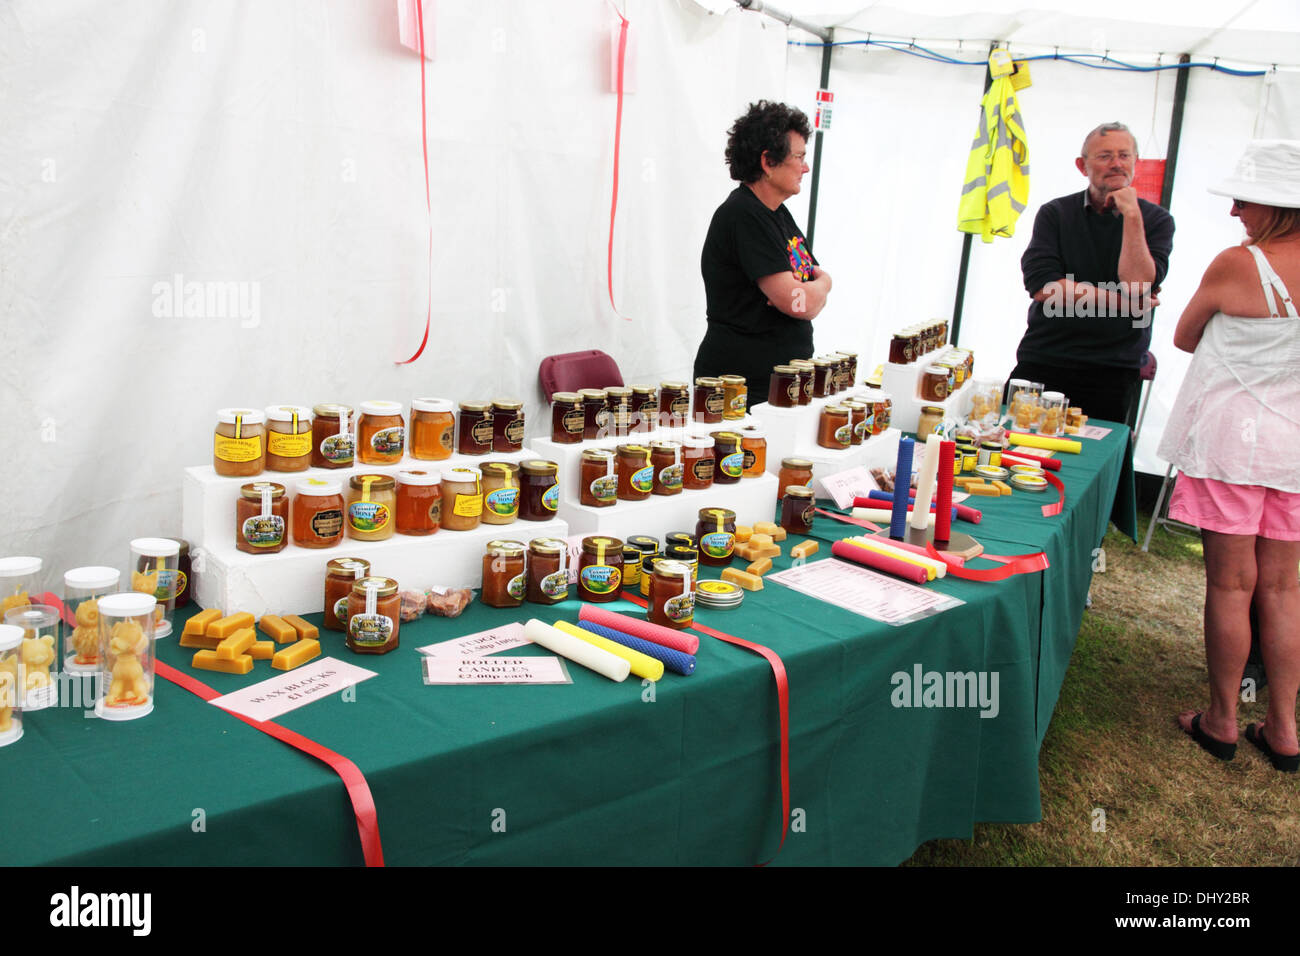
x=638 y=627
x=943 y=494
x=964 y=512
x=880 y=562
x=1024 y=458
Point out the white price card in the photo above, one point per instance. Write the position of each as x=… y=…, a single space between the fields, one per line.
x=863 y=591
x=504 y=638
x=315 y=680
x=495 y=670
x=1091 y=431
x=846 y=485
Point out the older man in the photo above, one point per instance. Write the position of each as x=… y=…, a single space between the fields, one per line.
x=1093 y=267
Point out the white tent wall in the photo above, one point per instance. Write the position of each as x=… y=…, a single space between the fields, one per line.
x=277 y=145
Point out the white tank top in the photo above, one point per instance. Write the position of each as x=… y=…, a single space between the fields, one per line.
x=1237 y=415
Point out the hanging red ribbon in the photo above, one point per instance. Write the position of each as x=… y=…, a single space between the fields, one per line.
x=428 y=204
x=1054 y=509
x=783 y=708
x=618 y=137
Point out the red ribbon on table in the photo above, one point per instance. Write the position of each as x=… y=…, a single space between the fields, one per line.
x=428 y=205
x=783 y=708
x=1054 y=509
x=363 y=803
x=618 y=137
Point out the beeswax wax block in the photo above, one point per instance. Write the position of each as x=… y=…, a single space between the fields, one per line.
x=765 y=551
x=760 y=567
x=778 y=534
x=199 y=622
x=199 y=640
x=236 y=644
x=768 y=528
x=1002 y=487
x=750 y=582
x=803 y=550
x=286 y=659
x=230 y=624
x=277 y=628
x=262 y=650
x=304 y=629
x=988 y=491
x=760 y=539
x=209 y=661
x=743 y=533
x=744 y=551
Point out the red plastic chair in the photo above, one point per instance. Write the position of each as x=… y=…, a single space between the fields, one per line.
x=574 y=370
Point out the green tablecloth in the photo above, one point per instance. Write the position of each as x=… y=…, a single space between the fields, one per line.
x=593 y=772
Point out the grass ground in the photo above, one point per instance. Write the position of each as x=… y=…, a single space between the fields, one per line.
x=1113 y=744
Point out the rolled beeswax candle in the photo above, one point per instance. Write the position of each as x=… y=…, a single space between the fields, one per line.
x=925 y=481
x=879 y=562
x=902 y=480
x=639 y=627
x=881 y=516
x=908 y=557
x=675 y=661
x=943 y=497
x=651 y=668
x=1051 y=444
x=576 y=650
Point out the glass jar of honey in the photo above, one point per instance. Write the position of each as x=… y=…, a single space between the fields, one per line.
x=697 y=462
x=618 y=405
x=539 y=493
x=462 y=499
x=505 y=579
x=631 y=569
x=261 y=518
x=797 y=508
x=595 y=414
x=635 y=476
x=239 y=443
x=318 y=513
x=883 y=404
x=672 y=595
x=859 y=413
x=735 y=397
x=783 y=387
x=716 y=532
x=371 y=503
x=807 y=372
x=674 y=404
x=381 y=433
x=566 y=418
x=709 y=400
x=753 y=446
x=507 y=425
x=288 y=438
x=666 y=462
x=728 y=456
x=933 y=385
x=598 y=479
x=834 y=429
x=374 y=616
x=332 y=442
x=645 y=408
x=433 y=429
x=419 y=501
x=600 y=571
x=340 y=575
x=687 y=556
x=823 y=378
x=500 y=492
x=900 y=349
x=548 y=574
x=794 y=471
x=930 y=421
x=477 y=423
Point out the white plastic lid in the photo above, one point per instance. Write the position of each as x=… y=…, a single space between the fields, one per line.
x=251 y=416
x=285 y=413
x=753 y=431
x=697 y=441
x=432 y=405
x=464 y=473
x=126 y=604
x=10 y=636
x=1053 y=396
x=155 y=547
x=34 y=616
x=92 y=577
x=418 y=476
x=19 y=566
x=381 y=408
x=318 y=488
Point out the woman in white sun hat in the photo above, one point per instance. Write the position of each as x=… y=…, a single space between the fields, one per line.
x=1234 y=434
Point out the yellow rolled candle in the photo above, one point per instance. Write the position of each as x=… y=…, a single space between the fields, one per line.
x=1052 y=444
x=580 y=652
x=933 y=569
x=643 y=665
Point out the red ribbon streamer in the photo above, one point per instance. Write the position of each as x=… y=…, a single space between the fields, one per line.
x=1054 y=509
x=363 y=803
x=618 y=137
x=1011 y=565
x=428 y=205
x=783 y=709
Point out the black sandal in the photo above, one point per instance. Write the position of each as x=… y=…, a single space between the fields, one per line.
x=1287 y=763
x=1212 y=746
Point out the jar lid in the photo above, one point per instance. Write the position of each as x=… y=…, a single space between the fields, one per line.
x=1054 y=397
x=162 y=547
x=475 y=406
x=348 y=566
x=381 y=408
x=331 y=410
x=643 y=542
x=126 y=604
x=848 y=355
x=538 y=466
x=10 y=636
x=507 y=404
x=386 y=587
x=697 y=441
x=506 y=468
x=784 y=370
x=796 y=463
x=319 y=488
x=251 y=490
x=932 y=409
x=992 y=445
x=591 y=394
x=802 y=363
x=708 y=381
x=674 y=386
x=798 y=491
x=679 y=538
x=377 y=482
x=853 y=403
x=732 y=379
x=642 y=389
x=432 y=405
x=249 y=416
x=648 y=559
x=618 y=391
x=666 y=443
x=285 y=413
x=91 y=577
x=678 y=569
x=419 y=476
x=1033 y=470
x=597 y=454
x=547 y=545
x=1018 y=383
x=567 y=397
x=718 y=594
x=1029 y=482
x=835 y=409
x=717 y=514
x=753 y=431
x=17 y=567
x=637 y=450
x=935 y=370
x=596 y=542
x=725 y=437
x=681 y=552
x=33 y=617
x=506 y=548
x=462 y=473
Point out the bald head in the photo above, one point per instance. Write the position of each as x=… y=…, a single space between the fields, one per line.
x=1106 y=129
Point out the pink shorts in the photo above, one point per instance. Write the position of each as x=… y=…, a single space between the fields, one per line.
x=1236 y=509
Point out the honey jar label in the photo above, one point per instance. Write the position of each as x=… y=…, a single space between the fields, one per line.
x=338 y=449
x=515 y=431
x=237 y=449
x=844 y=434
x=671 y=477
x=327 y=524
x=517 y=586
x=574 y=422
x=733 y=465
x=503 y=501
x=792 y=391
x=263 y=531
x=171 y=582
x=642 y=479
x=714 y=402
x=601 y=578
x=468 y=506
x=389 y=441
x=605 y=488
x=368 y=516
x=447 y=437
x=288 y=446
x=182 y=582
x=370 y=630
x=551 y=498
x=702 y=468
x=807 y=387
x=481 y=433
x=718 y=544
x=341 y=610
x=736 y=407
x=435 y=511
x=680 y=407
x=680 y=609
x=862 y=429
x=556 y=585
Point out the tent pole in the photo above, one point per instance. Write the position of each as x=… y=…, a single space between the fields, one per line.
x=1175 y=132
x=817 y=157
x=965 y=243
x=789 y=19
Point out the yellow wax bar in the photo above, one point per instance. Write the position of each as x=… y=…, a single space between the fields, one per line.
x=209 y=661
x=236 y=644
x=262 y=650
x=803 y=550
x=988 y=491
x=760 y=567
x=305 y=630
x=750 y=582
x=295 y=654
x=760 y=539
x=278 y=629
x=230 y=624
x=866 y=544
x=199 y=622
x=765 y=551
x=643 y=665
x=1002 y=487
x=744 y=551
x=743 y=533
x=766 y=527
x=1038 y=441
x=199 y=640
x=778 y=534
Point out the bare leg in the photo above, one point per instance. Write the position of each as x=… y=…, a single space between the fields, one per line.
x=1278 y=602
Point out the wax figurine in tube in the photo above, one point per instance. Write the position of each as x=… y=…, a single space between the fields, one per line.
x=762 y=285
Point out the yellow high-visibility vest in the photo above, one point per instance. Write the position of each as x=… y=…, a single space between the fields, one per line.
x=996 y=190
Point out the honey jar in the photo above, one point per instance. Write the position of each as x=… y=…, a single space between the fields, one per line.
x=433 y=429
x=381 y=433
x=834 y=429
x=261 y=518
x=598 y=480
x=807 y=372
x=730 y=459
x=823 y=378
x=735 y=397
x=666 y=462
x=600 y=571
x=566 y=418
x=539 y=494
x=716 y=532
x=709 y=400
x=288 y=438
x=797 y=507
x=476 y=427
x=500 y=492
x=340 y=575
x=794 y=471
x=933 y=385
x=635 y=476
x=548 y=577
x=674 y=404
x=462 y=499
x=507 y=425
x=595 y=414
x=374 y=616
x=697 y=462
x=318 y=513
x=505 y=580
x=930 y=421
x=333 y=445
x=753 y=446
x=784 y=387
x=645 y=408
x=618 y=405
x=371 y=503
x=238 y=443
x=672 y=595
x=859 y=419
x=419 y=501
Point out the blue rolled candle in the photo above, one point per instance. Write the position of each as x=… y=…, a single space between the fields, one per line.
x=675 y=661
x=903 y=479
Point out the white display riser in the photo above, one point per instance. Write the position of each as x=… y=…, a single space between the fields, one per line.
x=752 y=499
x=902 y=383
x=293 y=580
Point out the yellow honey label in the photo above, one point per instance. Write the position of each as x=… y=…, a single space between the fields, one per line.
x=468 y=506
x=288 y=446
x=237 y=449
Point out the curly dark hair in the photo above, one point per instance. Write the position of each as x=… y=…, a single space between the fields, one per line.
x=762 y=130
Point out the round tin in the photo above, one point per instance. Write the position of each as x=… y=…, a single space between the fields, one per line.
x=718 y=594
x=1029 y=483
x=992 y=472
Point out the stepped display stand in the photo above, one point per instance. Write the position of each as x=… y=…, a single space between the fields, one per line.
x=902 y=383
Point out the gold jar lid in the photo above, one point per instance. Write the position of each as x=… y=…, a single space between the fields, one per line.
x=643 y=389
x=547 y=546
x=507 y=469
x=708 y=381
x=593 y=545
x=377 y=482
x=507 y=404
x=784 y=370
x=798 y=491
x=538 y=466
x=931 y=409
x=630 y=451
x=505 y=548
x=618 y=391
x=387 y=587
x=726 y=437
x=732 y=379
x=568 y=398
x=802 y=363
x=822 y=362
x=475 y=406
x=674 y=386
x=796 y=463
x=835 y=410
x=331 y=410
x=717 y=514
x=348 y=567
x=254 y=490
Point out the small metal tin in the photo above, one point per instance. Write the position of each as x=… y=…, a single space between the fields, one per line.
x=1033 y=483
x=992 y=472
x=718 y=594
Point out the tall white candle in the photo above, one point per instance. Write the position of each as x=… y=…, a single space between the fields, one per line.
x=925 y=482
